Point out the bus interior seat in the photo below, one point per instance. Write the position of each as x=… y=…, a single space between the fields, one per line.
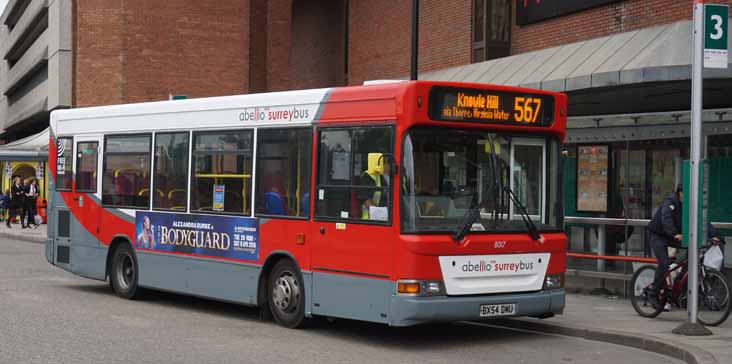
x=305 y=204
x=273 y=204
x=123 y=183
x=177 y=197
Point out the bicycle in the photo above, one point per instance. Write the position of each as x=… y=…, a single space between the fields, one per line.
x=714 y=293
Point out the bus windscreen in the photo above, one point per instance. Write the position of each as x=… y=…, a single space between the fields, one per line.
x=490 y=106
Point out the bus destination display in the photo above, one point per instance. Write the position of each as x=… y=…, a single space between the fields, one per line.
x=490 y=106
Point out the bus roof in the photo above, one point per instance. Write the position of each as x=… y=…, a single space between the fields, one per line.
x=375 y=102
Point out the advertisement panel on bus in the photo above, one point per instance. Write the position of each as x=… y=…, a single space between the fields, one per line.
x=232 y=237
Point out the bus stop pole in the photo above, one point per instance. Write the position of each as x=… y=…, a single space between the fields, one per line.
x=691 y=327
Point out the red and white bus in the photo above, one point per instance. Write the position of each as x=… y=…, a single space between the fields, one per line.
x=397 y=203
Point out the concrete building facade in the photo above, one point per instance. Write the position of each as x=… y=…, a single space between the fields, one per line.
x=35 y=73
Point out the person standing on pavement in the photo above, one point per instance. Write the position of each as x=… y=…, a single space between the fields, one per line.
x=4 y=204
x=24 y=218
x=29 y=202
x=17 y=194
x=665 y=228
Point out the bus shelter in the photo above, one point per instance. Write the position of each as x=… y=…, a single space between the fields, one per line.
x=26 y=158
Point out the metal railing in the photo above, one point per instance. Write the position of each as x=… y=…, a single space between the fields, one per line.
x=601 y=224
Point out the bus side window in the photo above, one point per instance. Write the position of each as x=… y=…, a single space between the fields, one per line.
x=283 y=172
x=221 y=178
x=170 y=180
x=126 y=179
x=86 y=166
x=63 y=164
x=349 y=188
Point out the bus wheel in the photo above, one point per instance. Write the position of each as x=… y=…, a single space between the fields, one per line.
x=286 y=295
x=124 y=272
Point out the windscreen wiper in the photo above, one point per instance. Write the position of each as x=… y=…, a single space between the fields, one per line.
x=467 y=223
x=474 y=213
x=470 y=217
x=533 y=231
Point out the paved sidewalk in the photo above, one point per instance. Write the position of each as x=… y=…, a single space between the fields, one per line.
x=16 y=232
x=615 y=320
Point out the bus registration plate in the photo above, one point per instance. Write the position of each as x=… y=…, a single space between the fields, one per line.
x=504 y=309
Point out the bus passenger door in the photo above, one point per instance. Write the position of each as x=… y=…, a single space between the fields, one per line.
x=86 y=207
x=353 y=239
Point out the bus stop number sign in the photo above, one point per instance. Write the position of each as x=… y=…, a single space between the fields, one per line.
x=716 y=32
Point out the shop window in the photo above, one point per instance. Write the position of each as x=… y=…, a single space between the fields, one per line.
x=170 y=181
x=86 y=166
x=354 y=174
x=491 y=29
x=283 y=172
x=222 y=172
x=126 y=180
x=64 y=175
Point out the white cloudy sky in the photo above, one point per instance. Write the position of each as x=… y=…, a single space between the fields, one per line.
x=2 y=5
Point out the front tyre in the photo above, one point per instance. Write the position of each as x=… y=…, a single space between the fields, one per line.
x=640 y=284
x=124 y=274
x=714 y=299
x=287 y=295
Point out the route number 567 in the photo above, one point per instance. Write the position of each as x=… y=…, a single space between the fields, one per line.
x=526 y=109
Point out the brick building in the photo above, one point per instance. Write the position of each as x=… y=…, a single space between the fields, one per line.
x=71 y=53
x=624 y=63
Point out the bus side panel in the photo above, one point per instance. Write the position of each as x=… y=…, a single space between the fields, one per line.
x=220 y=280
x=52 y=196
x=339 y=295
x=54 y=203
x=89 y=261
x=58 y=230
x=281 y=235
x=87 y=255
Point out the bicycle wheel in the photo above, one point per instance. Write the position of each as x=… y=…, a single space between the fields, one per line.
x=641 y=282
x=714 y=299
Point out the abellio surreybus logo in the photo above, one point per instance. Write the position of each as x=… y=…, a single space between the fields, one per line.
x=277 y=113
x=493 y=266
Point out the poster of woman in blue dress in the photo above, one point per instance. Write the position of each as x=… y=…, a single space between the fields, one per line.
x=146 y=235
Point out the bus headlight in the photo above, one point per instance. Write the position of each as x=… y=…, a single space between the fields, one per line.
x=554 y=281
x=413 y=287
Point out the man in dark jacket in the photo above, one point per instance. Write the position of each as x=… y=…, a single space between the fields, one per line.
x=665 y=228
x=17 y=195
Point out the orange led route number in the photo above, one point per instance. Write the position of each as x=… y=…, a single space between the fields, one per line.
x=526 y=109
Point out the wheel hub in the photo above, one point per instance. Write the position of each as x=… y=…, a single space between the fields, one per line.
x=286 y=293
x=125 y=272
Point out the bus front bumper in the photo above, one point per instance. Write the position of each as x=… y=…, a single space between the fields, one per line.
x=410 y=310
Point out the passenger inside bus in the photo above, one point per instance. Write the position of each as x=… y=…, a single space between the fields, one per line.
x=374 y=202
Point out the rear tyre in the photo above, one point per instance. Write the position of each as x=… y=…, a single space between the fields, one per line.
x=640 y=285
x=124 y=274
x=286 y=295
x=714 y=299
